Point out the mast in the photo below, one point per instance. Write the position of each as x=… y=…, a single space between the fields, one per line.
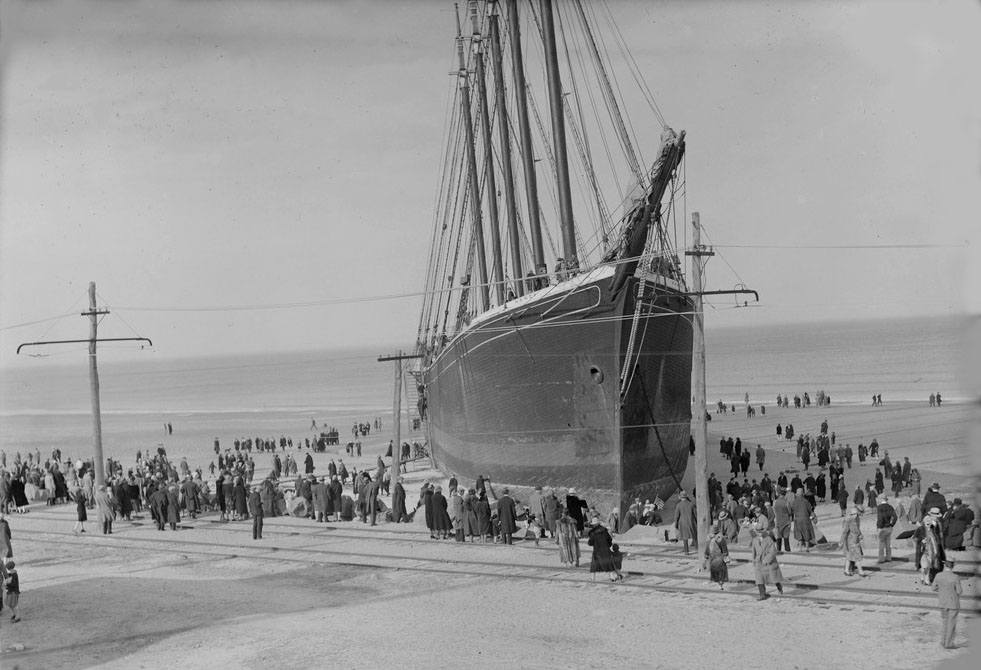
x=505 y=134
x=611 y=100
x=478 y=225
x=497 y=265
x=558 y=138
x=528 y=156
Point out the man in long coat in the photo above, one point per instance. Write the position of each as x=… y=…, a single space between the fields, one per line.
x=158 y=507
x=173 y=507
x=373 y=489
x=105 y=503
x=120 y=491
x=398 y=502
x=508 y=518
x=781 y=521
x=255 y=509
x=686 y=522
x=802 y=513
x=441 y=519
x=308 y=464
x=335 y=493
x=318 y=491
x=190 y=491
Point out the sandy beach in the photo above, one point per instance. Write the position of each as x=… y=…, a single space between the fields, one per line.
x=337 y=594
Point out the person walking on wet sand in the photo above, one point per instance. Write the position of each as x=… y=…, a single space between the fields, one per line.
x=949 y=590
x=766 y=569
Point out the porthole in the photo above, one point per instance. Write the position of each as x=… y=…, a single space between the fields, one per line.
x=596 y=374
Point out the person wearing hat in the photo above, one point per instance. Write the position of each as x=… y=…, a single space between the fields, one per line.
x=603 y=559
x=959 y=519
x=686 y=522
x=851 y=542
x=728 y=527
x=885 y=521
x=934 y=498
x=717 y=556
x=948 y=587
x=930 y=554
x=766 y=569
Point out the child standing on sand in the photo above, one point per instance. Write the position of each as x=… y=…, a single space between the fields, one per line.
x=13 y=590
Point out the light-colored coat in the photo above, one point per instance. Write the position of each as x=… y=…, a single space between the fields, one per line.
x=766 y=570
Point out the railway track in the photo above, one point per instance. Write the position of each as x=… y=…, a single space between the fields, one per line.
x=653 y=570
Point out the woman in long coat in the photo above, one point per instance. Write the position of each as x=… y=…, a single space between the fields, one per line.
x=18 y=494
x=426 y=500
x=766 y=570
x=441 y=519
x=717 y=556
x=49 y=487
x=483 y=512
x=470 y=514
x=568 y=538
x=398 y=502
x=602 y=543
x=456 y=514
x=550 y=505
x=241 y=498
x=851 y=542
x=803 y=513
x=83 y=516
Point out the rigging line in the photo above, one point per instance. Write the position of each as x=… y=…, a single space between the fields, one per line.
x=633 y=69
x=963 y=245
x=632 y=65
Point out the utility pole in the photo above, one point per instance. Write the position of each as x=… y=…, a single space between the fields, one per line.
x=399 y=359
x=702 y=506
x=94 y=313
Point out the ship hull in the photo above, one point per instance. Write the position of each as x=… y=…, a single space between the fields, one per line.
x=531 y=395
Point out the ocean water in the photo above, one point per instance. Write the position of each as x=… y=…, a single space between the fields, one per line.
x=45 y=406
x=901 y=359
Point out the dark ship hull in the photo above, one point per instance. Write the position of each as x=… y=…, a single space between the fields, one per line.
x=530 y=394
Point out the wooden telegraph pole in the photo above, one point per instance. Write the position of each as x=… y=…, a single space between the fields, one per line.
x=399 y=359
x=702 y=506
x=94 y=313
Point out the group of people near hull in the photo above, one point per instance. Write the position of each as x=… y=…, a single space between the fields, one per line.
x=471 y=513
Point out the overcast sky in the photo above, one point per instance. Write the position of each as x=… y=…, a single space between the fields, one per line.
x=220 y=154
